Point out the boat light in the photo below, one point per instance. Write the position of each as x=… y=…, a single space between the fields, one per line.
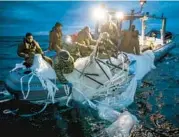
x=119 y=15
x=142 y=2
x=99 y=14
x=68 y=40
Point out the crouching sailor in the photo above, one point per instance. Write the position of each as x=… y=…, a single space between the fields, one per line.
x=28 y=48
x=63 y=64
x=85 y=42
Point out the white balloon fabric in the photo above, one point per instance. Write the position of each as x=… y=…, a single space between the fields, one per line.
x=145 y=63
x=122 y=126
x=43 y=68
x=118 y=77
x=46 y=75
x=89 y=87
x=85 y=89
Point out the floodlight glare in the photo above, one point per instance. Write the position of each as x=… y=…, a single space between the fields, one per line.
x=68 y=40
x=142 y=2
x=99 y=13
x=119 y=15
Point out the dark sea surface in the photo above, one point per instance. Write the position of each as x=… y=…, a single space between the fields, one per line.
x=158 y=94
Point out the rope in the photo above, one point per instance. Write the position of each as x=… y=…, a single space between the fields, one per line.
x=67 y=90
x=92 y=55
x=30 y=79
x=18 y=66
x=7 y=96
x=68 y=100
x=14 y=112
x=22 y=90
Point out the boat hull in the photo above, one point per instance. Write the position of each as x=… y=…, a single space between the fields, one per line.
x=162 y=51
x=38 y=93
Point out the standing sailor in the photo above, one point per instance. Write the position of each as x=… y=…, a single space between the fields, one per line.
x=135 y=40
x=55 y=38
x=130 y=41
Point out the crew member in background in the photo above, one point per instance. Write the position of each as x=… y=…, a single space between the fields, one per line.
x=85 y=42
x=130 y=41
x=111 y=28
x=135 y=41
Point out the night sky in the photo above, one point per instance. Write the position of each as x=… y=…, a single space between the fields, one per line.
x=38 y=17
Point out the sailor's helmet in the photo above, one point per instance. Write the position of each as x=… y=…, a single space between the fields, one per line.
x=63 y=54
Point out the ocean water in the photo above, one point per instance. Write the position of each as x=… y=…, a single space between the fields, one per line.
x=158 y=94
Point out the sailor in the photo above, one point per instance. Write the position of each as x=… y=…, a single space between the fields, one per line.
x=85 y=42
x=135 y=40
x=28 y=48
x=106 y=47
x=130 y=41
x=63 y=64
x=111 y=28
x=55 y=38
x=154 y=35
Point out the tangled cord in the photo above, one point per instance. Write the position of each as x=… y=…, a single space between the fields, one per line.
x=108 y=88
x=14 y=112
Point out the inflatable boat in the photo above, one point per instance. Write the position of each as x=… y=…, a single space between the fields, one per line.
x=14 y=85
